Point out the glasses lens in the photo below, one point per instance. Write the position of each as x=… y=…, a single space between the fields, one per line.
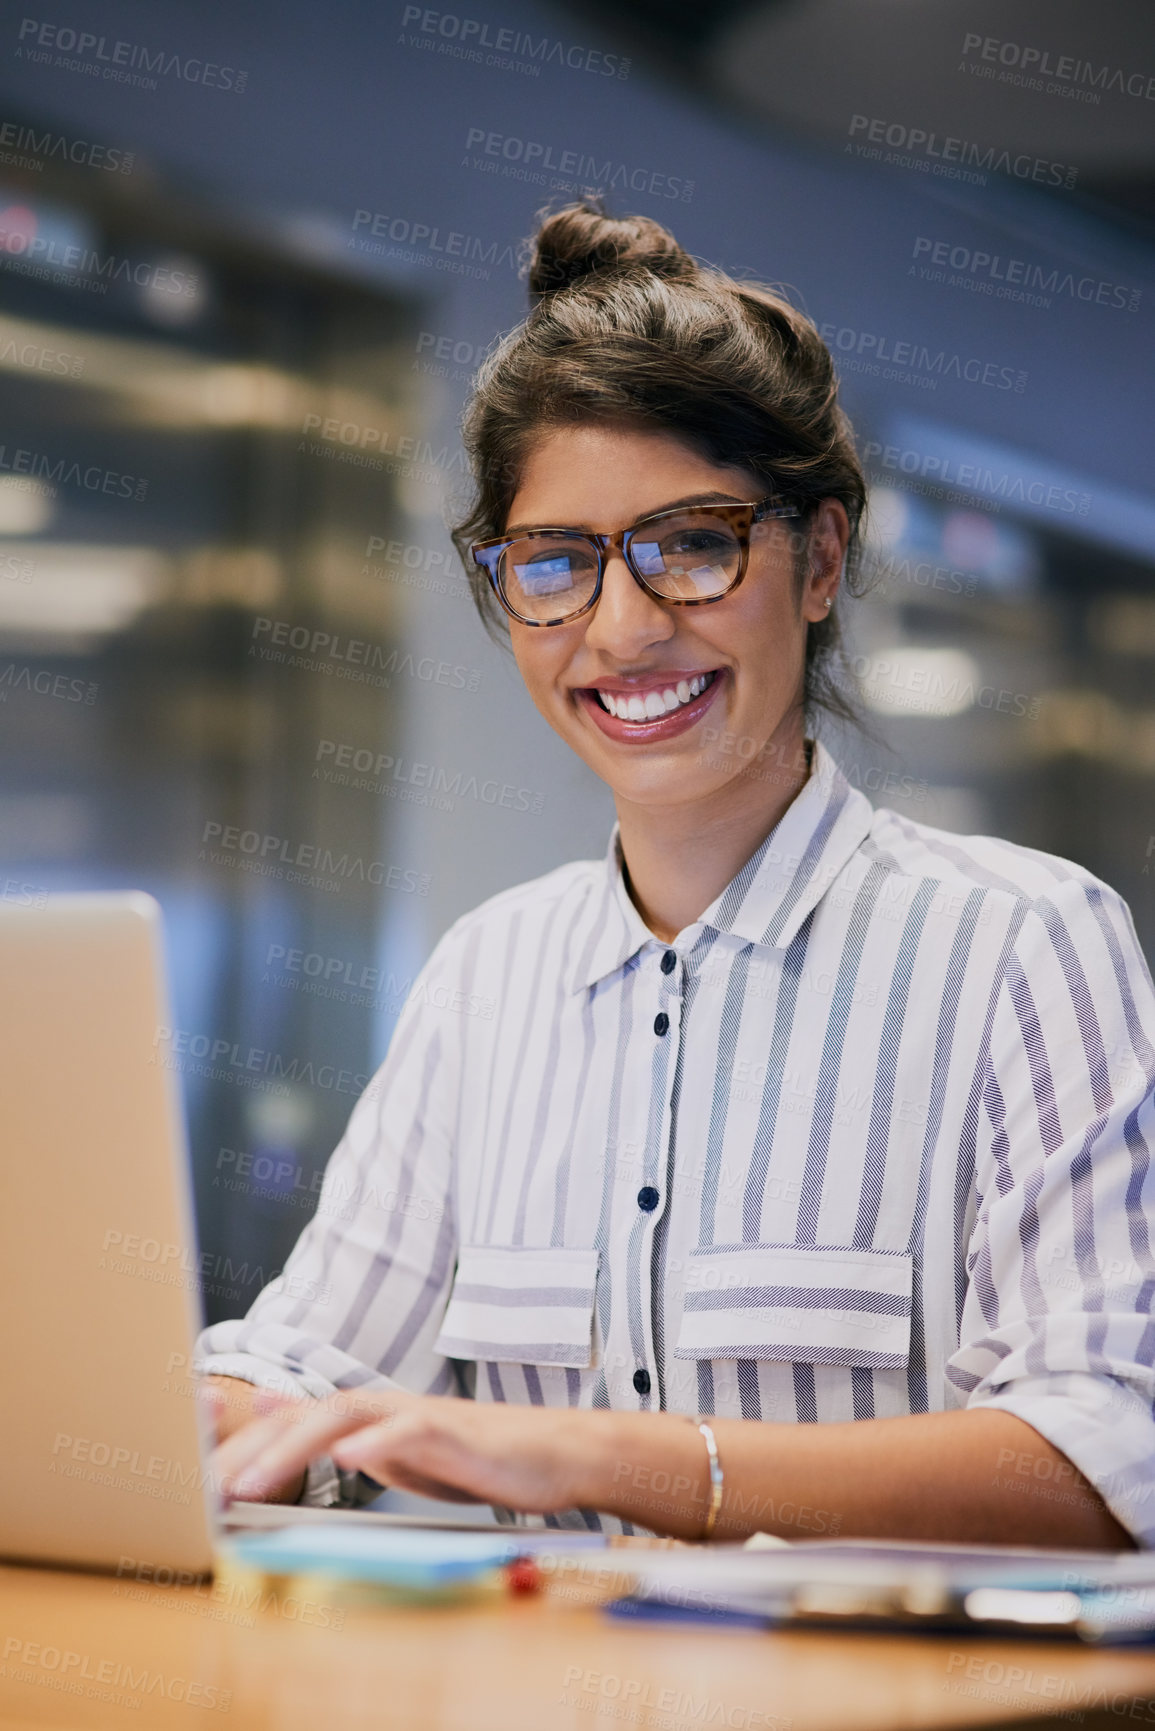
x=547 y=577
x=688 y=555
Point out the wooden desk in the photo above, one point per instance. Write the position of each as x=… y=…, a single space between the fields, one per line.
x=186 y=1658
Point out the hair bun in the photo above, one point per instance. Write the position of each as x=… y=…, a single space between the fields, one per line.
x=581 y=239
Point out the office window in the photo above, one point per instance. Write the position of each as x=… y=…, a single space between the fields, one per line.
x=199 y=638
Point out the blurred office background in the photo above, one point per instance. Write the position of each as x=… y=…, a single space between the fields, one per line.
x=249 y=259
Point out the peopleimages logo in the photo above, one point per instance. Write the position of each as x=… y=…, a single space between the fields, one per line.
x=436 y=352
x=908 y=362
x=352 y=657
x=25 y=147
x=358 y=439
x=432 y=569
x=60 y=471
x=44 y=682
x=427 y=243
x=956 y=158
x=81 y=267
x=25 y=895
x=107 y=267
x=37 y=357
x=269 y=855
x=638 y=1700
x=112 y=1681
x=376 y=771
x=500 y=47
x=1032 y=65
x=1015 y=279
x=942 y=475
x=175 y=1043
x=342 y=973
x=889 y=569
x=531 y=160
x=119 y=61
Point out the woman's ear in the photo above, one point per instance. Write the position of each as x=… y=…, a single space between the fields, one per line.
x=829 y=537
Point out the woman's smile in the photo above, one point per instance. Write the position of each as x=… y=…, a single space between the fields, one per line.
x=660 y=707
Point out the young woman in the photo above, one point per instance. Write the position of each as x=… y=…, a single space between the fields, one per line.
x=799 y=1180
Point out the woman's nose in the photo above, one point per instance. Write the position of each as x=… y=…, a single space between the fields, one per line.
x=626 y=617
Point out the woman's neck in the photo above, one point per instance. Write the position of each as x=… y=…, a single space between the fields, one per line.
x=679 y=858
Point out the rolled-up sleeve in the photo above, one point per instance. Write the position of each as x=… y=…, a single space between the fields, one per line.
x=360 y=1300
x=1056 y=1322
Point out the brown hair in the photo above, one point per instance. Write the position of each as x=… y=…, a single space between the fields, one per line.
x=626 y=327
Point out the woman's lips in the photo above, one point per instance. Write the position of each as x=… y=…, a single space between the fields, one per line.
x=661 y=727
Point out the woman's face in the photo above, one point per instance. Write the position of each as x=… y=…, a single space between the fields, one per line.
x=750 y=645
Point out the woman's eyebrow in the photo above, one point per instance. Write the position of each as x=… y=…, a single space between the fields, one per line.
x=673 y=505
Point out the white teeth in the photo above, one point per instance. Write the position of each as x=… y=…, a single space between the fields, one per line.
x=655 y=703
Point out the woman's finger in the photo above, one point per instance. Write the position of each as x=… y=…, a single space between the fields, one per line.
x=471 y=1454
x=233 y=1456
x=284 y=1443
x=372 y=1451
x=397 y=1454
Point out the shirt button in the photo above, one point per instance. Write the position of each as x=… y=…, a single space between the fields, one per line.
x=669 y=961
x=661 y=1022
x=642 y=1381
x=648 y=1198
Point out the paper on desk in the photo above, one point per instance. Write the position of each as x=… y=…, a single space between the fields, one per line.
x=1103 y=1595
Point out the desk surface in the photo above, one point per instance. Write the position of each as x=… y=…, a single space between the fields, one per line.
x=84 y=1651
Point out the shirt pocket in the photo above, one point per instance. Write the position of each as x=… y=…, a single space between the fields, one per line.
x=517 y=1305
x=803 y=1305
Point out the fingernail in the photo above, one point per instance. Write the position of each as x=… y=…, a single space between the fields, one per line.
x=247 y=1483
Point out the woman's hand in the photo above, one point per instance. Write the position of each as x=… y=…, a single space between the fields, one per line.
x=534 y=1459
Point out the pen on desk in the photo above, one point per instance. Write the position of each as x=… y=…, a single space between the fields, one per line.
x=657 y=1611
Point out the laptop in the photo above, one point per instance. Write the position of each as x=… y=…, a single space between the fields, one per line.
x=104 y=1443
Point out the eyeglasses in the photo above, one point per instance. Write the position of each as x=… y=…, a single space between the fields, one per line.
x=687 y=556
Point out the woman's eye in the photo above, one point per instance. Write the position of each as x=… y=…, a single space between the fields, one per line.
x=695 y=542
x=542 y=576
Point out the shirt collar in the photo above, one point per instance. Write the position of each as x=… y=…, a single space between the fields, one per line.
x=766 y=903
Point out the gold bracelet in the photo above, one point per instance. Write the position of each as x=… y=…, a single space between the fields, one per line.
x=715 y=1478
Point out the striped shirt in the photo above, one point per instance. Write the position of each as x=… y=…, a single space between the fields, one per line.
x=870 y=1137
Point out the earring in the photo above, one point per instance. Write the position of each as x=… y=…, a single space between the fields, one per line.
x=827 y=602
